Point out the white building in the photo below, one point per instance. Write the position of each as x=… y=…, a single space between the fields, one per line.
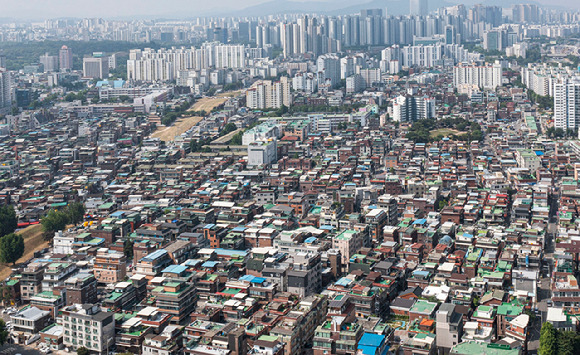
x=306 y=82
x=328 y=69
x=268 y=94
x=5 y=92
x=264 y=131
x=96 y=67
x=262 y=152
x=410 y=108
x=87 y=326
x=355 y=83
x=166 y=64
x=487 y=76
x=49 y=62
x=567 y=104
x=63 y=244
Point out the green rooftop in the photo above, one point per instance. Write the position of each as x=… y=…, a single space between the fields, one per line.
x=422 y=306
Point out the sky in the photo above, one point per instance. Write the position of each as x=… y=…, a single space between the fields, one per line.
x=42 y=9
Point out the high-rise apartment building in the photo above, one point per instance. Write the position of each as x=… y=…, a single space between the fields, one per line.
x=96 y=67
x=269 y=94
x=65 y=58
x=488 y=76
x=5 y=92
x=50 y=62
x=410 y=108
x=328 y=68
x=567 y=104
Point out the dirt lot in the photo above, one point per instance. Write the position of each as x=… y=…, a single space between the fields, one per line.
x=33 y=241
x=230 y=93
x=180 y=126
x=208 y=103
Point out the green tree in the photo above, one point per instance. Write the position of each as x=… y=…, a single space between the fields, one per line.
x=83 y=351
x=237 y=138
x=128 y=249
x=8 y=220
x=11 y=248
x=76 y=212
x=548 y=345
x=54 y=221
x=568 y=342
x=229 y=128
x=3 y=332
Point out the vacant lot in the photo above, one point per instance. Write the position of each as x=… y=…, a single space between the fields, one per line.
x=208 y=103
x=33 y=242
x=445 y=132
x=230 y=93
x=180 y=126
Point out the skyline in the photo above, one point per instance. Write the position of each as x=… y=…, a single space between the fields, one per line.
x=37 y=9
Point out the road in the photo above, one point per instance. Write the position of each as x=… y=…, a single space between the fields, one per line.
x=12 y=349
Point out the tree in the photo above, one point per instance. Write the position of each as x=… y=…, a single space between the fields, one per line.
x=11 y=248
x=76 y=212
x=229 y=128
x=54 y=221
x=568 y=342
x=3 y=332
x=237 y=139
x=8 y=220
x=548 y=345
x=83 y=351
x=128 y=249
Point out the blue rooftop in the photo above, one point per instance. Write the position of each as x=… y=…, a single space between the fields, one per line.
x=175 y=269
x=343 y=281
x=253 y=279
x=420 y=221
x=310 y=240
x=371 y=339
x=229 y=252
x=210 y=263
x=155 y=255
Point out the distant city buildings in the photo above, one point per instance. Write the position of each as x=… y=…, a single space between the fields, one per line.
x=418 y=7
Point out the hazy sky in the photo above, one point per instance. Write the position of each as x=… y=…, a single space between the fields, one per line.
x=40 y=9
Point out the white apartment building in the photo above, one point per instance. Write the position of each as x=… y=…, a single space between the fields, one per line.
x=262 y=152
x=87 y=326
x=328 y=68
x=96 y=67
x=541 y=78
x=268 y=94
x=166 y=64
x=5 y=92
x=488 y=76
x=306 y=82
x=567 y=104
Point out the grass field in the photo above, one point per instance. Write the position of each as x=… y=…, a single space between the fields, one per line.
x=445 y=132
x=180 y=126
x=33 y=241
